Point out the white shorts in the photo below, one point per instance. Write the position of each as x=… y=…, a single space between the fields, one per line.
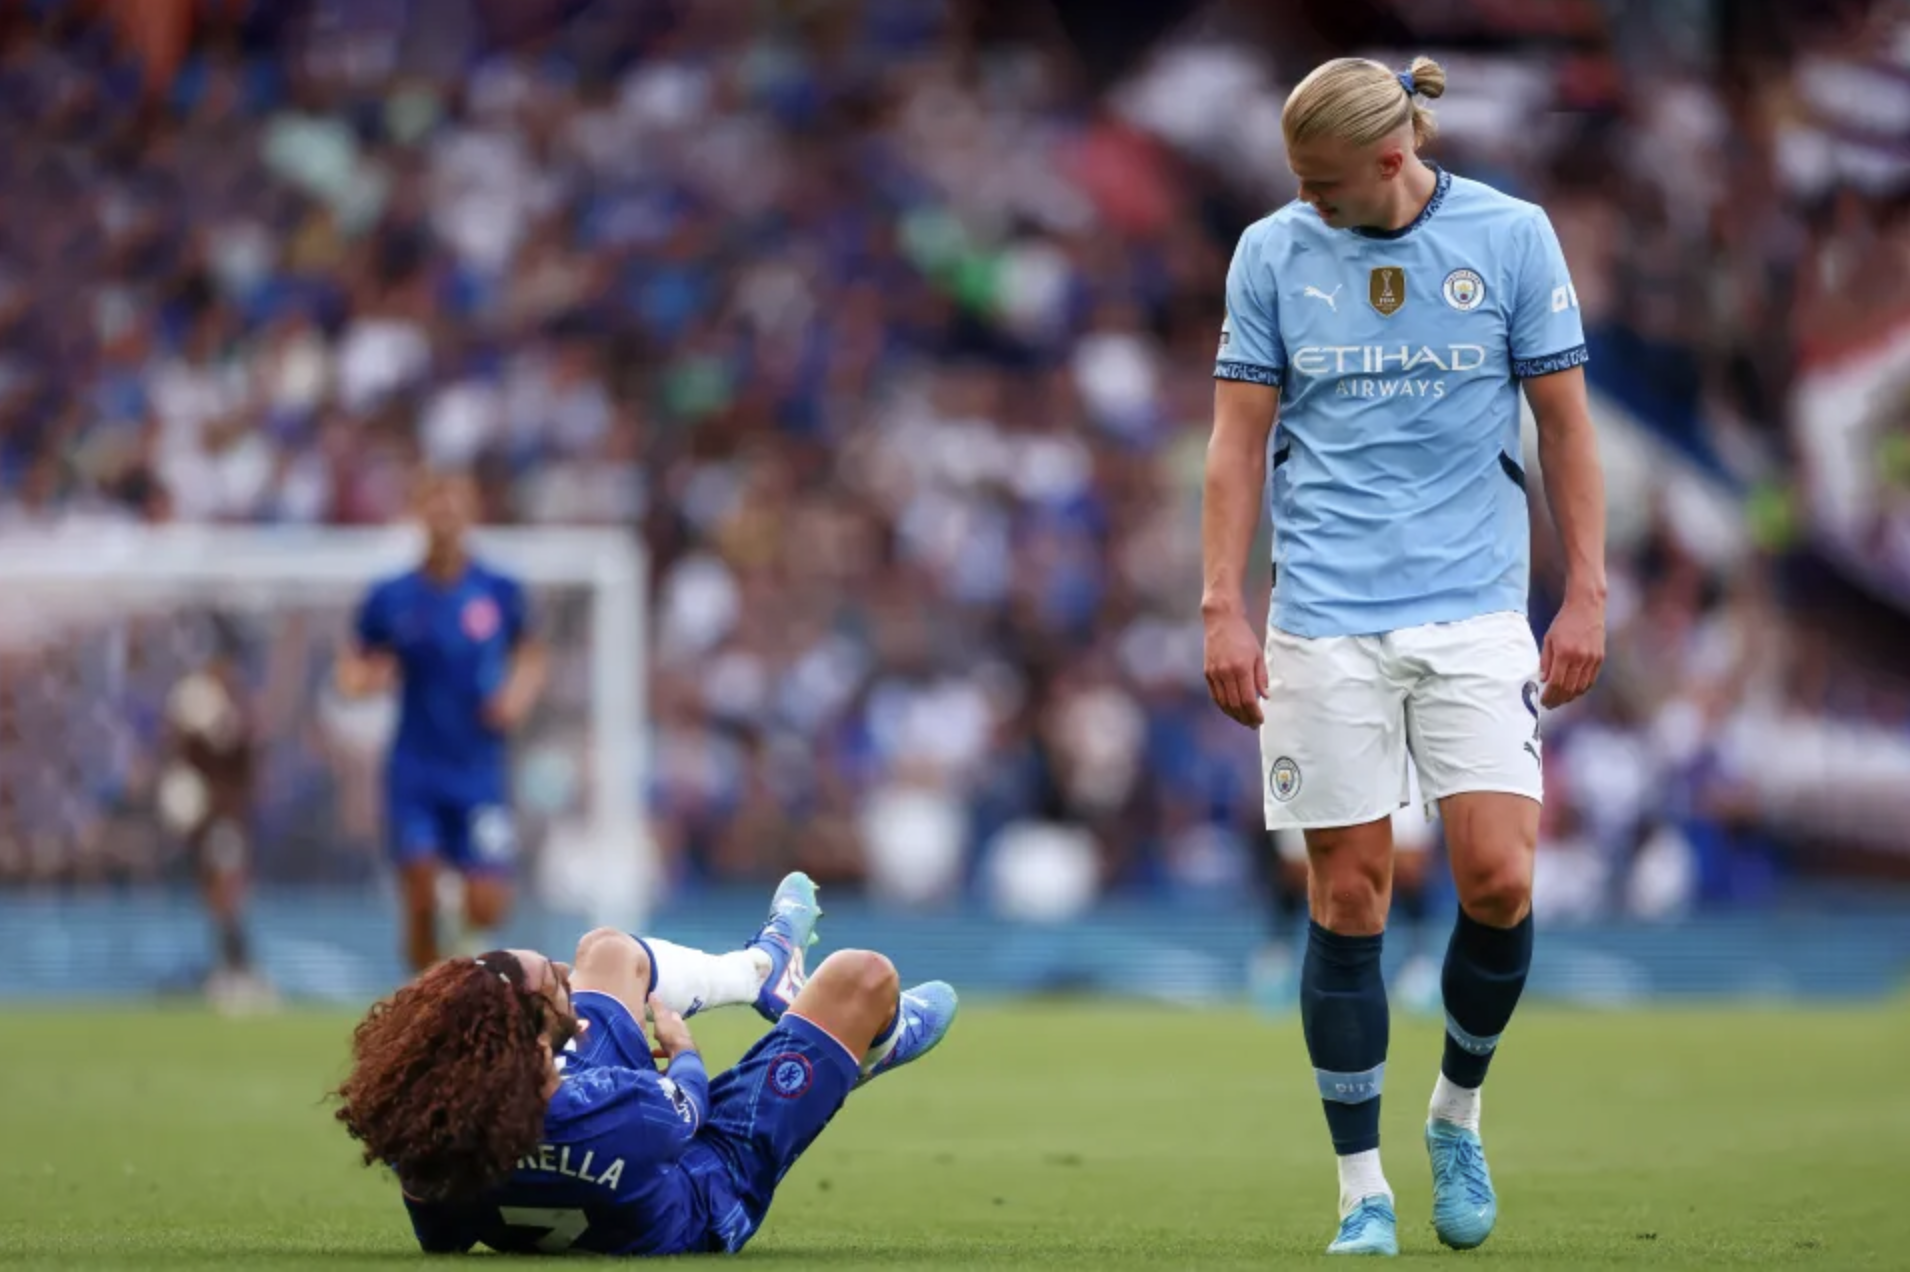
x=1344 y=715
x=1415 y=826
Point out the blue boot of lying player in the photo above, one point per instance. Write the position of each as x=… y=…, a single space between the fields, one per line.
x=1464 y=1205
x=923 y=1017
x=1369 y=1228
x=791 y=929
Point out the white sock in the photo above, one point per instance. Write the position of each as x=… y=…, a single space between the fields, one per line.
x=884 y=1044
x=1454 y=1103
x=454 y=938
x=469 y=942
x=458 y=937
x=689 y=981
x=1360 y=1178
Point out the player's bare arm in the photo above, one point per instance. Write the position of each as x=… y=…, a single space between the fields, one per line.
x=1236 y=667
x=523 y=685
x=1574 y=647
x=361 y=673
x=673 y=1035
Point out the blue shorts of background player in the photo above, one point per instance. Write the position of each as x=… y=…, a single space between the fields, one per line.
x=460 y=824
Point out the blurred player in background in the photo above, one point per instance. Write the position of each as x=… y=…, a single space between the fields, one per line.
x=1273 y=978
x=454 y=635
x=1388 y=318
x=205 y=797
x=518 y=1101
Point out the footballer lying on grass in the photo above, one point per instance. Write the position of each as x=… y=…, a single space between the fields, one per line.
x=518 y=1102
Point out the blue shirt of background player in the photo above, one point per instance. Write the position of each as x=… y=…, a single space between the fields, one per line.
x=1394 y=476
x=620 y=1169
x=453 y=642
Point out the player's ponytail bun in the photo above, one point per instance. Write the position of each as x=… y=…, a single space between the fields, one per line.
x=1429 y=82
x=1362 y=101
x=1429 y=77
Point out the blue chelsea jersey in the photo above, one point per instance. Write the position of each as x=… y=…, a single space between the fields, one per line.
x=1394 y=474
x=453 y=642
x=620 y=1168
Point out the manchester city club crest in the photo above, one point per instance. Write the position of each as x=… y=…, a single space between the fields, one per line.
x=1386 y=289
x=1464 y=290
x=1283 y=779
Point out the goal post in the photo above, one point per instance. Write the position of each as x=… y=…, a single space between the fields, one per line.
x=111 y=585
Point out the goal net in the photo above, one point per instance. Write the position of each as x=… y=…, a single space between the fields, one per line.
x=107 y=640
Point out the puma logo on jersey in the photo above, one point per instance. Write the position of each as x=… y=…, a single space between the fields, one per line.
x=1332 y=299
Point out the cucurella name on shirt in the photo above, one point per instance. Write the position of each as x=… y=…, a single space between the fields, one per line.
x=557 y=1159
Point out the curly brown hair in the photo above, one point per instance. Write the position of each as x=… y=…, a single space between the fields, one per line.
x=448 y=1077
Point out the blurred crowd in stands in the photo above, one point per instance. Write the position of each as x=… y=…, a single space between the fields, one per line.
x=889 y=326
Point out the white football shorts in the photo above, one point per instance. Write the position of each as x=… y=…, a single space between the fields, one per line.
x=1415 y=826
x=1348 y=719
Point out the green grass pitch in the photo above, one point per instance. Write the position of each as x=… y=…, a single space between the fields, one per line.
x=1065 y=1134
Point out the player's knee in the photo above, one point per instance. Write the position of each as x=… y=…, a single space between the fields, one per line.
x=606 y=950
x=1352 y=906
x=869 y=977
x=1347 y=887
x=591 y=946
x=1498 y=894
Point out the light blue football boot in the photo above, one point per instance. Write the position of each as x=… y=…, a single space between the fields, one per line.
x=791 y=929
x=1369 y=1228
x=923 y=1017
x=1464 y=1205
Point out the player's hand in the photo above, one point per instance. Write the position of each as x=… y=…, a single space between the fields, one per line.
x=1574 y=651
x=1236 y=667
x=673 y=1036
x=505 y=711
x=360 y=675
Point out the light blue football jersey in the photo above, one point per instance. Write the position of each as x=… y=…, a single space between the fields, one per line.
x=1394 y=474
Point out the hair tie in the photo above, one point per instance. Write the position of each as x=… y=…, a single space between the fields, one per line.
x=487 y=967
x=1407 y=82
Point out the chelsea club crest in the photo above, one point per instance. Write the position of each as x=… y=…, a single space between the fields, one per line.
x=790 y=1075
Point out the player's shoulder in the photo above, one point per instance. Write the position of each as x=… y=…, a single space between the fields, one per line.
x=387 y=586
x=590 y=1092
x=492 y=577
x=1475 y=202
x=1281 y=235
x=1279 y=230
x=610 y=1099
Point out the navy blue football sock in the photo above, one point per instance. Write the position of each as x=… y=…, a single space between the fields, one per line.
x=1343 y=1012
x=1484 y=974
x=235 y=952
